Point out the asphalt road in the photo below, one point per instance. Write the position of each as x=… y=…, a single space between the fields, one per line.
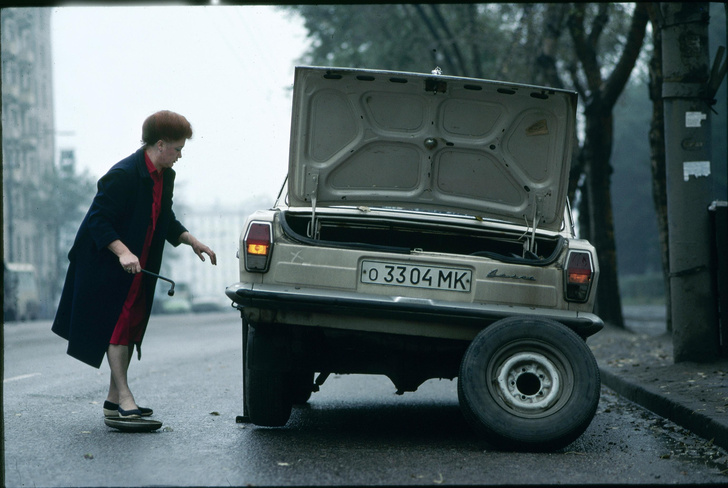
x=355 y=431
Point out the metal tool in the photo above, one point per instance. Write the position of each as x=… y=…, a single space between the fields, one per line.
x=171 y=290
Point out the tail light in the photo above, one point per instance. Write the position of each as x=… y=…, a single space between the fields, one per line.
x=579 y=272
x=258 y=246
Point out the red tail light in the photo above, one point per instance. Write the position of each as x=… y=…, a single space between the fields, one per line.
x=258 y=246
x=578 y=279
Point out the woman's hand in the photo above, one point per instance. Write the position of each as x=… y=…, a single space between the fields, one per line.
x=198 y=247
x=127 y=259
x=130 y=263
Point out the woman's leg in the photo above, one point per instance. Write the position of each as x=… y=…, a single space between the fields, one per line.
x=119 y=358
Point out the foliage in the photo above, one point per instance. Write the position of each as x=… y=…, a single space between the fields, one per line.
x=494 y=41
x=407 y=37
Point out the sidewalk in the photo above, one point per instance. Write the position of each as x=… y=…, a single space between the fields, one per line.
x=637 y=364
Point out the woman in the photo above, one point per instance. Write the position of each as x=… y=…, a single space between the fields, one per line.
x=106 y=299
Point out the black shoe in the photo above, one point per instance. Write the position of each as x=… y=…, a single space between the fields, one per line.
x=129 y=414
x=112 y=410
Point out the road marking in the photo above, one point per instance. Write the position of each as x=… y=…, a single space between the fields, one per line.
x=21 y=377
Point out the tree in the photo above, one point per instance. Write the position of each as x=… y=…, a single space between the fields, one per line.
x=511 y=42
x=657 y=151
x=405 y=37
x=59 y=199
x=600 y=95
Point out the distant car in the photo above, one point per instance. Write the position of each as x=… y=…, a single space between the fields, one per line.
x=172 y=305
x=21 y=299
x=425 y=234
x=210 y=304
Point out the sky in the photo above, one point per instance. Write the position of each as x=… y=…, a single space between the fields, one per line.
x=228 y=69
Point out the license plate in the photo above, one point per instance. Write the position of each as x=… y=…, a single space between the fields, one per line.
x=418 y=276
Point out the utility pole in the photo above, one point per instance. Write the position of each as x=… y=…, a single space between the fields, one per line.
x=686 y=70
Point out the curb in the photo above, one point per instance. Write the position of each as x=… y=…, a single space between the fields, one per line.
x=697 y=422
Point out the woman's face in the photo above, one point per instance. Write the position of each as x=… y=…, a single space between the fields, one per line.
x=170 y=152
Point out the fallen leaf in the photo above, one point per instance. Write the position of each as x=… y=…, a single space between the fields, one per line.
x=88 y=456
x=216 y=414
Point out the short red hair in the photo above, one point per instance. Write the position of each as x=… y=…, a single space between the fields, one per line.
x=165 y=126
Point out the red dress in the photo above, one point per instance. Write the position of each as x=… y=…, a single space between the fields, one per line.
x=129 y=327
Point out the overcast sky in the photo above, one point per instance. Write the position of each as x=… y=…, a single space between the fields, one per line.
x=228 y=69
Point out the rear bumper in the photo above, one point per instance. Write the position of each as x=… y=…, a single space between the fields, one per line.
x=327 y=302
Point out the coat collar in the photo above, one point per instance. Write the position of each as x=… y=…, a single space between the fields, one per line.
x=141 y=166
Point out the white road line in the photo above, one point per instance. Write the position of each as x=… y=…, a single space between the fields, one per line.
x=21 y=377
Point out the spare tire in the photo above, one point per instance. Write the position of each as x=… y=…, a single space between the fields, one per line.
x=529 y=384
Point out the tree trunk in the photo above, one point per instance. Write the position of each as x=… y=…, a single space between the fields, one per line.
x=598 y=150
x=657 y=153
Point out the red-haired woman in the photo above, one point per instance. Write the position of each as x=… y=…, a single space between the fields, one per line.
x=106 y=300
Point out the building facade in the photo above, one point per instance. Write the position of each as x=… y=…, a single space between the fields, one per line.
x=28 y=147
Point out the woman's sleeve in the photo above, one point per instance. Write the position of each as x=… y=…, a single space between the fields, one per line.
x=107 y=208
x=175 y=230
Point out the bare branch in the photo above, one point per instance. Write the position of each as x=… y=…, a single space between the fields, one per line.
x=621 y=73
x=585 y=52
x=600 y=21
x=574 y=72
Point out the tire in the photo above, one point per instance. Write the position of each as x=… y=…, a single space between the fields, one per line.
x=266 y=392
x=529 y=384
x=301 y=387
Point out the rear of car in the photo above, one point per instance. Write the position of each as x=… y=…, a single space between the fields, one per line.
x=425 y=218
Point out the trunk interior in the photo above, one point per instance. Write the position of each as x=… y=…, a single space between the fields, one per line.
x=406 y=235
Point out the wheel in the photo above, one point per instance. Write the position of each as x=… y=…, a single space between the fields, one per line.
x=529 y=384
x=266 y=392
x=301 y=386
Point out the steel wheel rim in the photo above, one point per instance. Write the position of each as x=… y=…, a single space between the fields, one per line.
x=529 y=379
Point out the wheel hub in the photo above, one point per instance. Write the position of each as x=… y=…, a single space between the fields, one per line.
x=529 y=381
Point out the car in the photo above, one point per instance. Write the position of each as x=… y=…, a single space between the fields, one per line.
x=172 y=305
x=209 y=304
x=21 y=298
x=424 y=232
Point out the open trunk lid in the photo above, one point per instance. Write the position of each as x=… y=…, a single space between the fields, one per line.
x=495 y=150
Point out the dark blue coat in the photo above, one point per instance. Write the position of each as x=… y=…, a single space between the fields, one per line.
x=96 y=286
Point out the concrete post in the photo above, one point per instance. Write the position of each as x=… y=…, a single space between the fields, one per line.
x=686 y=69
